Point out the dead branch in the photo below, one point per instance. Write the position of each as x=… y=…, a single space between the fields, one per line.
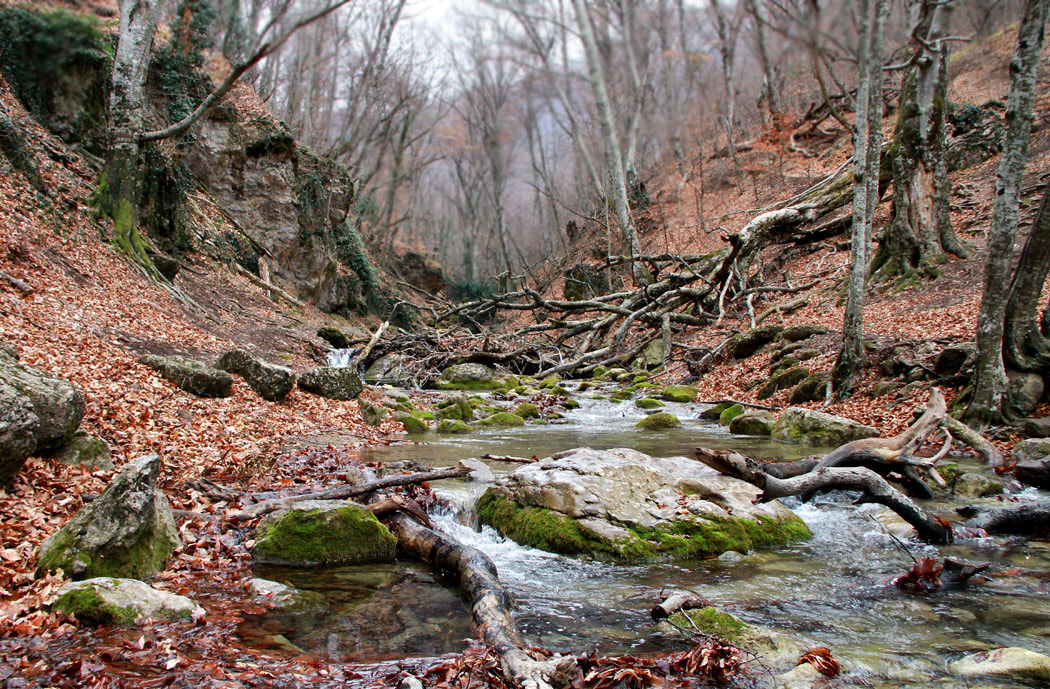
x=989 y=452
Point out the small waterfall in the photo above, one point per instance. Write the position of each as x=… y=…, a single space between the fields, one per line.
x=340 y=358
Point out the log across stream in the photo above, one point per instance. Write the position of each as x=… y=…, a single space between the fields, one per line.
x=834 y=590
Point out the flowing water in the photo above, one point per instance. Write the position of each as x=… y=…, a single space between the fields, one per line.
x=834 y=590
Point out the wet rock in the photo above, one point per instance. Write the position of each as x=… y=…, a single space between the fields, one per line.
x=714 y=412
x=759 y=422
x=679 y=393
x=1026 y=389
x=389 y=369
x=978 y=486
x=659 y=421
x=730 y=413
x=455 y=407
x=731 y=557
x=803 y=676
x=284 y=597
x=1031 y=450
x=667 y=506
x=110 y=600
x=503 y=419
x=322 y=532
x=797 y=333
x=782 y=381
x=86 y=450
x=335 y=337
x=453 y=427
x=331 y=383
x=470 y=377
x=270 y=381
x=190 y=375
x=799 y=425
x=479 y=471
x=39 y=412
x=412 y=424
x=748 y=342
x=1019 y=663
x=128 y=531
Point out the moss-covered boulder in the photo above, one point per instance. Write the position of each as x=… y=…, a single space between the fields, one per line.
x=110 y=600
x=373 y=414
x=270 y=381
x=527 y=410
x=470 y=377
x=679 y=393
x=128 y=531
x=714 y=412
x=730 y=413
x=453 y=427
x=190 y=375
x=322 y=532
x=812 y=389
x=39 y=412
x=503 y=419
x=782 y=380
x=758 y=422
x=456 y=407
x=332 y=383
x=86 y=450
x=799 y=425
x=975 y=485
x=413 y=425
x=335 y=337
x=713 y=622
x=797 y=333
x=648 y=403
x=632 y=506
x=658 y=421
x=743 y=345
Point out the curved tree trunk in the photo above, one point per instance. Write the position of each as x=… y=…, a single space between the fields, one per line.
x=1025 y=348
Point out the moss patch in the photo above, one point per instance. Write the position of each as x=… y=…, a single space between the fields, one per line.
x=730 y=413
x=539 y=527
x=346 y=534
x=141 y=560
x=711 y=621
x=503 y=419
x=451 y=426
x=89 y=606
x=659 y=420
x=527 y=410
x=679 y=393
x=648 y=403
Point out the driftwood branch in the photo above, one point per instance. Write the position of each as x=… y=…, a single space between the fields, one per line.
x=988 y=452
x=21 y=286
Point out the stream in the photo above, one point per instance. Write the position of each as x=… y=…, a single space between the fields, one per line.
x=834 y=590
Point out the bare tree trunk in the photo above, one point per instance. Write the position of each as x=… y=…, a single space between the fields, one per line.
x=757 y=8
x=616 y=186
x=867 y=148
x=1025 y=348
x=990 y=387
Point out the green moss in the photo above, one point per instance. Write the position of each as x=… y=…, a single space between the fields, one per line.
x=451 y=426
x=452 y=412
x=713 y=413
x=527 y=410
x=711 y=621
x=584 y=386
x=539 y=527
x=503 y=419
x=412 y=424
x=89 y=606
x=469 y=385
x=140 y=560
x=344 y=535
x=730 y=413
x=648 y=403
x=570 y=403
x=658 y=421
x=550 y=381
x=679 y=393
x=949 y=472
x=425 y=415
x=599 y=371
x=621 y=395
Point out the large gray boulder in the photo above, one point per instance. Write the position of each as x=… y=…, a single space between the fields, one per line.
x=190 y=375
x=128 y=531
x=470 y=377
x=800 y=425
x=270 y=381
x=39 y=413
x=322 y=532
x=110 y=600
x=633 y=506
x=388 y=369
x=1018 y=663
x=333 y=383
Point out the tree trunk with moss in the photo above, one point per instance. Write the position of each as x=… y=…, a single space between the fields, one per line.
x=1025 y=346
x=920 y=235
x=867 y=149
x=988 y=404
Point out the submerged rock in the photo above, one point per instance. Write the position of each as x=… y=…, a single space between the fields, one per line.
x=270 y=381
x=110 y=600
x=128 y=531
x=332 y=383
x=633 y=506
x=190 y=375
x=284 y=597
x=322 y=532
x=806 y=426
x=1004 y=662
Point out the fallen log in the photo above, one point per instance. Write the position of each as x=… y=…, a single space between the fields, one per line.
x=490 y=602
x=345 y=492
x=677 y=601
x=876 y=489
x=1024 y=519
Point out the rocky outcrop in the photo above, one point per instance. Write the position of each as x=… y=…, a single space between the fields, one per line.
x=633 y=506
x=799 y=425
x=39 y=413
x=128 y=531
x=333 y=383
x=1026 y=389
x=270 y=381
x=422 y=271
x=585 y=281
x=109 y=600
x=190 y=375
x=471 y=377
x=1019 y=663
x=322 y=532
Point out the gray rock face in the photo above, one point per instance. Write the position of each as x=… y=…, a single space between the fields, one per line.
x=973 y=485
x=128 y=531
x=39 y=412
x=109 y=600
x=286 y=200
x=1026 y=389
x=189 y=375
x=270 y=381
x=978 y=134
x=86 y=450
x=1004 y=662
x=955 y=358
x=799 y=425
x=388 y=369
x=332 y=383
